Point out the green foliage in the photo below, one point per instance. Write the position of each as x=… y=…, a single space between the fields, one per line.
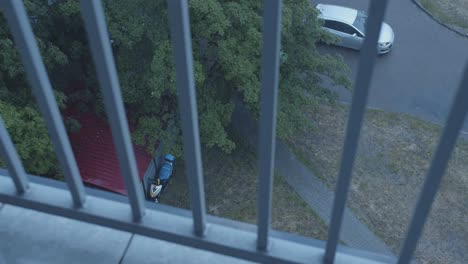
x=72 y=125
x=17 y=105
x=171 y=143
x=146 y=69
x=227 y=41
x=226 y=46
x=302 y=72
x=30 y=138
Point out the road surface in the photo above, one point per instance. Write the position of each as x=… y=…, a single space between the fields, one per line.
x=421 y=74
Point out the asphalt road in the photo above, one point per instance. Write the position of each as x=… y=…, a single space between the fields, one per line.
x=422 y=72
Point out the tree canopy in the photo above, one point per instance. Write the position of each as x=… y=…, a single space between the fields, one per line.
x=226 y=41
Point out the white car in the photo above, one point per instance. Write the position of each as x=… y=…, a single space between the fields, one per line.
x=349 y=25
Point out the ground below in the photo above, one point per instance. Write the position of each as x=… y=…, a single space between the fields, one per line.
x=394 y=154
x=231 y=192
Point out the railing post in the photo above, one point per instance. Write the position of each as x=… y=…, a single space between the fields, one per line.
x=436 y=171
x=10 y=156
x=30 y=56
x=268 y=105
x=93 y=16
x=182 y=53
x=356 y=115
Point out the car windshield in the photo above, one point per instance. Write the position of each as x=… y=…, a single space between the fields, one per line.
x=360 y=22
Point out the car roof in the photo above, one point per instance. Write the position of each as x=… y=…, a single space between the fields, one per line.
x=339 y=13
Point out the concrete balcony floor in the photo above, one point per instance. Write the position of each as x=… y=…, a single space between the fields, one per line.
x=28 y=236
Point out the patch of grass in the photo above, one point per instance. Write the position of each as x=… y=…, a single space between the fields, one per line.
x=231 y=191
x=292 y=214
x=393 y=157
x=312 y=146
x=454 y=12
x=302 y=156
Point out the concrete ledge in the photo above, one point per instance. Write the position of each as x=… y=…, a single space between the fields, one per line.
x=28 y=236
x=144 y=250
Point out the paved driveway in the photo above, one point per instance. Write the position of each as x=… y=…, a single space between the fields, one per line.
x=421 y=74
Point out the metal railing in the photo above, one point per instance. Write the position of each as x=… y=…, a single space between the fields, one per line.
x=256 y=243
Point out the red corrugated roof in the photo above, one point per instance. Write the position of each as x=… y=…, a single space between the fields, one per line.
x=96 y=155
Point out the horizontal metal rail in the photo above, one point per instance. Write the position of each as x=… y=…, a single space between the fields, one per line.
x=222 y=236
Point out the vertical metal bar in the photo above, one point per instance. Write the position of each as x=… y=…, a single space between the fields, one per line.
x=13 y=162
x=356 y=115
x=268 y=104
x=93 y=16
x=29 y=52
x=436 y=171
x=182 y=53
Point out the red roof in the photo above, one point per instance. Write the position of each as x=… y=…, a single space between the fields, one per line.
x=96 y=155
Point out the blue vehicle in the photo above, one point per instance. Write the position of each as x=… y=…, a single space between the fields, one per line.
x=166 y=169
x=160 y=183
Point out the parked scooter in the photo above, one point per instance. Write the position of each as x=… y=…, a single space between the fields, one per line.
x=158 y=185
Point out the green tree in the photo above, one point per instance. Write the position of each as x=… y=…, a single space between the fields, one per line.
x=17 y=105
x=226 y=41
x=29 y=135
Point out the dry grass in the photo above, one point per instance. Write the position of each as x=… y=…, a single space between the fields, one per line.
x=230 y=185
x=394 y=154
x=454 y=12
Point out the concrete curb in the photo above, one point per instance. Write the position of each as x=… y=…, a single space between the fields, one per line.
x=452 y=28
x=463 y=133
